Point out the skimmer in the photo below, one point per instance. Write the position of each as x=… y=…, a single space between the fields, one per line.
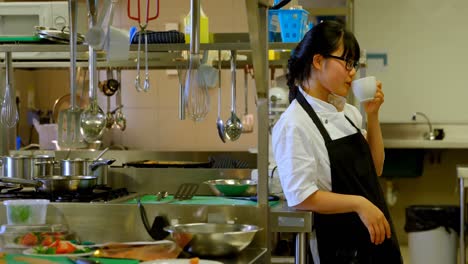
x=233 y=127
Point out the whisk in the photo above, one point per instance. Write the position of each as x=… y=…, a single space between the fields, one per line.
x=197 y=100
x=9 y=113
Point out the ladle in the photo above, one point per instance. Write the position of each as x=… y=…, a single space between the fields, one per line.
x=109 y=116
x=93 y=119
x=120 y=119
x=219 y=121
x=233 y=127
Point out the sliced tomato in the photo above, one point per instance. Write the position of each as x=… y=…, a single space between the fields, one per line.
x=55 y=243
x=64 y=247
x=47 y=240
x=29 y=239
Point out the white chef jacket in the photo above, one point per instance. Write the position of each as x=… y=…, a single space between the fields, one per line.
x=300 y=152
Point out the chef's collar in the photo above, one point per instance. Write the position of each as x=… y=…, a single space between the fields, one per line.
x=322 y=106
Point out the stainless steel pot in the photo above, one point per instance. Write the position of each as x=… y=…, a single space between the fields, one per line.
x=27 y=167
x=41 y=166
x=76 y=167
x=57 y=184
x=15 y=166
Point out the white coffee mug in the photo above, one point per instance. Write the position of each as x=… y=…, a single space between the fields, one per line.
x=364 y=89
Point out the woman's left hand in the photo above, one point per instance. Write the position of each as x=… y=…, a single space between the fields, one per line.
x=373 y=106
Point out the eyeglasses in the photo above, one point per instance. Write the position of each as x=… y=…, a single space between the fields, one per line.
x=350 y=64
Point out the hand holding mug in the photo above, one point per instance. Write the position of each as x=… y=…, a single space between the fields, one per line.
x=369 y=92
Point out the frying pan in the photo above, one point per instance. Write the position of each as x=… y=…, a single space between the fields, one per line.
x=57 y=184
x=168 y=164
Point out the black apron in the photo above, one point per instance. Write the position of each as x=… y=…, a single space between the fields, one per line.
x=343 y=238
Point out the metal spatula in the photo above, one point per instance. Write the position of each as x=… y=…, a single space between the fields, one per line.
x=185 y=192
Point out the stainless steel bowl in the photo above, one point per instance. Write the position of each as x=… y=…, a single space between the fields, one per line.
x=232 y=187
x=213 y=240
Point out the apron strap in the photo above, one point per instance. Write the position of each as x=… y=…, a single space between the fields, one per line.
x=310 y=111
x=359 y=130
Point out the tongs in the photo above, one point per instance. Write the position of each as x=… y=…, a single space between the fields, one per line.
x=143 y=31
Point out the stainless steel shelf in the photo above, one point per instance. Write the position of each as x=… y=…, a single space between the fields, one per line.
x=160 y=56
x=52 y=48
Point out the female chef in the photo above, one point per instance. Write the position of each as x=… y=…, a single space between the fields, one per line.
x=327 y=163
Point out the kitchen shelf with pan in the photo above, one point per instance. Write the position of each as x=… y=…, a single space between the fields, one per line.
x=134 y=47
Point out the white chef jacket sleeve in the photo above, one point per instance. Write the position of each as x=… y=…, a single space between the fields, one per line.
x=297 y=165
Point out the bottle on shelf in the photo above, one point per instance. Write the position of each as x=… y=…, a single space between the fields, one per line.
x=204 y=29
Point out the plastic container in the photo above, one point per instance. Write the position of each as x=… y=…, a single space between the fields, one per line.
x=432 y=233
x=30 y=212
x=293 y=24
x=25 y=236
x=274 y=29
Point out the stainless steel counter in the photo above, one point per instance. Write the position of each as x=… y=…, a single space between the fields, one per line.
x=288 y=220
x=100 y=222
x=115 y=215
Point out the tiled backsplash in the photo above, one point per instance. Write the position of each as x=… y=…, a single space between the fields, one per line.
x=153 y=122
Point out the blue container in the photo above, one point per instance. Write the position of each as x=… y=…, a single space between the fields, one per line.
x=274 y=30
x=293 y=24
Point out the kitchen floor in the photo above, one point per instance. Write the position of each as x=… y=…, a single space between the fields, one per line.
x=290 y=260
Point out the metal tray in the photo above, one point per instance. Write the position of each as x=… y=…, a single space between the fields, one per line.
x=57 y=35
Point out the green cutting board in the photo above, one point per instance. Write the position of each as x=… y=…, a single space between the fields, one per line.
x=16 y=258
x=199 y=200
x=19 y=39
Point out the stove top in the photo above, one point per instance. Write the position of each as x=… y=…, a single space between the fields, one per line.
x=100 y=194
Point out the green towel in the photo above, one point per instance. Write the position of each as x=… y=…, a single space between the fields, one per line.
x=199 y=200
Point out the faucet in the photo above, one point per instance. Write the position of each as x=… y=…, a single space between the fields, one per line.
x=430 y=135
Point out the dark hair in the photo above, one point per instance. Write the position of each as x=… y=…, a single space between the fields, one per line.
x=323 y=39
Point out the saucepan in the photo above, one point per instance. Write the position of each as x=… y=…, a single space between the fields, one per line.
x=57 y=184
x=96 y=167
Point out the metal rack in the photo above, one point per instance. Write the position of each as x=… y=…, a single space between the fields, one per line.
x=161 y=56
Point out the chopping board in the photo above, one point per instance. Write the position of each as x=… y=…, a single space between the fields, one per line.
x=20 y=39
x=199 y=200
x=26 y=259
